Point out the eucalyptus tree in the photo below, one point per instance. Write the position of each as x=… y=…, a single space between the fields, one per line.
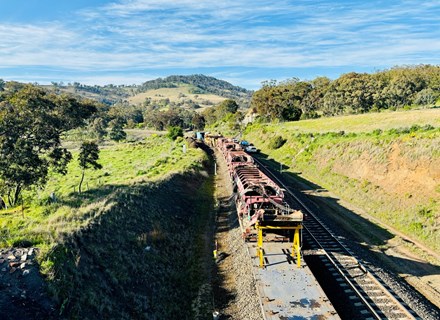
x=88 y=158
x=280 y=102
x=32 y=122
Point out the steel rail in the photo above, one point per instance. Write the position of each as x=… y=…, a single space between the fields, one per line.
x=349 y=282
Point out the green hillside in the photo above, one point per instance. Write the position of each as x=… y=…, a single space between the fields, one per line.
x=385 y=163
x=200 y=84
x=193 y=91
x=123 y=164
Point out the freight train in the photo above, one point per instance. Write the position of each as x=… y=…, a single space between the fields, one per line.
x=262 y=210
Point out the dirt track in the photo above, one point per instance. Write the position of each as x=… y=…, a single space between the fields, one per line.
x=234 y=289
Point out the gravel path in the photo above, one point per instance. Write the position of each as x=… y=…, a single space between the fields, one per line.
x=235 y=296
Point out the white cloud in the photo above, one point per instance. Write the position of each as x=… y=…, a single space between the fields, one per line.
x=136 y=35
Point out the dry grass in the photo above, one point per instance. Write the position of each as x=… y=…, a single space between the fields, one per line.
x=367 y=122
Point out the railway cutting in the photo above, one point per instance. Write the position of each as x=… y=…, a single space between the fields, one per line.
x=276 y=226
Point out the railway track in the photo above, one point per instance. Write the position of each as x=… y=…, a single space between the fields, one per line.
x=369 y=296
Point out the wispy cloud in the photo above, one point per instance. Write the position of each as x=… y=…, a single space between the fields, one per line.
x=145 y=35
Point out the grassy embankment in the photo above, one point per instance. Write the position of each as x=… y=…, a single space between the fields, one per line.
x=132 y=244
x=385 y=163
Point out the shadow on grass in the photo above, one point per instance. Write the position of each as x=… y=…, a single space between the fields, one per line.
x=140 y=258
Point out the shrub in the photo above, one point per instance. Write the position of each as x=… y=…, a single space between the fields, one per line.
x=309 y=115
x=277 y=142
x=414 y=128
x=174 y=132
x=427 y=127
x=416 y=226
x=117 y=133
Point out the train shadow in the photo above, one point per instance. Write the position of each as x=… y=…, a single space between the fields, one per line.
x=225 y=222
x=354 y=229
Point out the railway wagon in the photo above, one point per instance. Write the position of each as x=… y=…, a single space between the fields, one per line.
x=260 y=203
x=237 y=158
x=225 y=145
x=262 y=211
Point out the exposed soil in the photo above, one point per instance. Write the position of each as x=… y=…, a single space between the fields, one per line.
x=398 y=174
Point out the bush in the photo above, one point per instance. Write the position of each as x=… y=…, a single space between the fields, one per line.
x=309 y=115
x=427 y=127
x=277 y=142
x=117 y=133
x=174 y=132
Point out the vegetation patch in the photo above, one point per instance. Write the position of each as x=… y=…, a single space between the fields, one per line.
x=403 y=88
x=139 y=258
x=276 y=142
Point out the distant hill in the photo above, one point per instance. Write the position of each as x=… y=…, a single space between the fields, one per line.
x=181 y=95
x=193 y=90
x=108 y=94
x=196 y=89
x=201 y=85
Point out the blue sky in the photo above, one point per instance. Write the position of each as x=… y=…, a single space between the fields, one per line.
x=240 y=41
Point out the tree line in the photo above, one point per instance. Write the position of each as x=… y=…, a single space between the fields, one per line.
x=33 y=122
x=351 y=93
x=157 y=117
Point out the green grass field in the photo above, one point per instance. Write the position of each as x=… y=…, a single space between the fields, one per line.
x=92 y=247
x=42 y=223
